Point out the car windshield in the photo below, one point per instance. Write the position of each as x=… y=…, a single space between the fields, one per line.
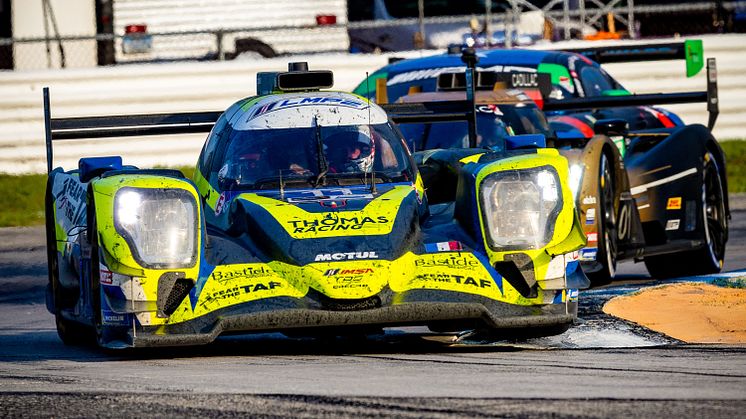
x=258 y=159
x=494 y=124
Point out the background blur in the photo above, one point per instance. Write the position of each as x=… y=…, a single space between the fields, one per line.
x=142 y=56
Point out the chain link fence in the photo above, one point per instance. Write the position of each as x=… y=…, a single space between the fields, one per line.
x=560 y=19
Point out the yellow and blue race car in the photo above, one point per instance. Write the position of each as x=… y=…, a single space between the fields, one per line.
x=306 y=214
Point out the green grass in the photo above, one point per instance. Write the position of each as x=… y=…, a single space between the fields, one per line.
x=735 y=162
x=22 y=197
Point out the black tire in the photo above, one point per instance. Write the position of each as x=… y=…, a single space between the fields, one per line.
x=70 y=332
x=95 y=285
x=253 y=45
x=708 y=259
x=607 y=234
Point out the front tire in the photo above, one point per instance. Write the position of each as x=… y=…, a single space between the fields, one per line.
x=708 y=259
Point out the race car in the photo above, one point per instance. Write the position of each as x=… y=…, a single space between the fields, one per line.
x=656 y=194
x=306 y=215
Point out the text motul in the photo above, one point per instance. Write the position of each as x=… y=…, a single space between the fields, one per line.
x=345 y=256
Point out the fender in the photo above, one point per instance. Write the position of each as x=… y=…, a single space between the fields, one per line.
x=666 y=174
x=117 y=254
x=567 y=235
x=587 y=198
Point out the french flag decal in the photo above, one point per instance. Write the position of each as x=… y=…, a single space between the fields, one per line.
x=443 y=247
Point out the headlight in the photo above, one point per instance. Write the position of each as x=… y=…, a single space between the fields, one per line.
x=576 y=175
x=520 y=207
x=160 y=226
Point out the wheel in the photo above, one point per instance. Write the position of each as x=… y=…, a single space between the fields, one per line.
x=95 y=273
x=607 y=246
x=708 y=259
x=70 y=332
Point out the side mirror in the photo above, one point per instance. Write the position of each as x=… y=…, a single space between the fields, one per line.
x=611 y=127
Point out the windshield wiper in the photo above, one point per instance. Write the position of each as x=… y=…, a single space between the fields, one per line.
x=323 y=164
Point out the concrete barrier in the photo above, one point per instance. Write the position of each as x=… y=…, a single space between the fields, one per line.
x=173 y=87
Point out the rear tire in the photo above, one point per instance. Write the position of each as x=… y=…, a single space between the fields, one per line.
x=708 y=259
x=70 y=332
x=95 y=285
x=607 y=245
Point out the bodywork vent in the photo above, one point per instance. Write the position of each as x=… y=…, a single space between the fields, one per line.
x=173 y=287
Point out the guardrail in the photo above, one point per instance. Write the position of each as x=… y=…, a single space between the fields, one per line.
x=211 y=86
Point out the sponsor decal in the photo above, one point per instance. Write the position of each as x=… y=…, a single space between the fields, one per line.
x=592 y=237
x=333 y=223
x=417 y=193
x=453 y=261
x=220 y=204
x=349 y=281
x=332 y=194
x=573 y=294
x=566 y=82
x=589 y=253
x=105 y=277
x=334 y=272
x=241 y=289
x=672 y=224
x=421 y=75
x=336 y=101
x=247 y=272
x=525 y=80
x=322 y=257
x=490 y=109
x=458 y=279
x=449 y=246
x=589 y=200
x=109 y=317
x=674 y=203
x=70 y=201
x=590 y=215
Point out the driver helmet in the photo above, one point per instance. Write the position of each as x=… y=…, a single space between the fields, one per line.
x=355 y=149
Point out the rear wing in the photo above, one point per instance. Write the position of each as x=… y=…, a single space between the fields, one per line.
x=690 y=50
x=710 y=96
x=120 y=126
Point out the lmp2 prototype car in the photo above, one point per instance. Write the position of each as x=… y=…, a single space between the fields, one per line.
x=306 y=215
x=657 y=194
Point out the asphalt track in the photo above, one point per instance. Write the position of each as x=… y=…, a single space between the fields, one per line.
x=603 y=367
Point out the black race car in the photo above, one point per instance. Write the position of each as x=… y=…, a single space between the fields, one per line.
x=651 y=187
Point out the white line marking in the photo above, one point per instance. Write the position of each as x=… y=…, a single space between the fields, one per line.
x=643 y=206
x=642 y=188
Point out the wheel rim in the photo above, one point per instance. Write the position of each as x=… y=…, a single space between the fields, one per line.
x=608 y=216
x=714 y=211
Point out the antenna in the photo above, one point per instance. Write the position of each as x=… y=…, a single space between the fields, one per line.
x=282 y=186
x=370 y=131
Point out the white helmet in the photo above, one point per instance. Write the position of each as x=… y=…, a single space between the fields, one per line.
x=353 y=149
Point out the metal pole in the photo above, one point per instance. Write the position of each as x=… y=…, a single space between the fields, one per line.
x=421 y=17
x=56 y=33
x=581 y=4
x=631 y=28
x=488 y=22
x=219 y=40
x=48 y=128
x=46 y=32
x=516 y=18
x=566 y=18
